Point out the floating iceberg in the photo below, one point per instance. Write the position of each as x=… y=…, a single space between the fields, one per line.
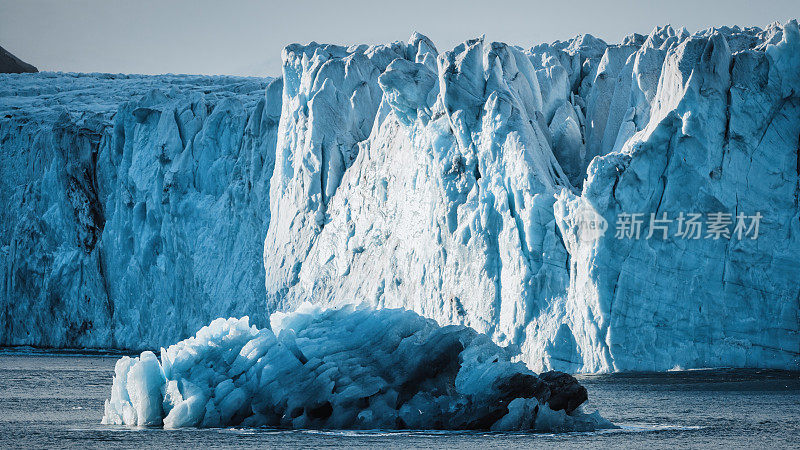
x=353 y=367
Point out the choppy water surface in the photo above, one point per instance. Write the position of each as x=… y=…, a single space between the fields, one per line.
x=56 y=400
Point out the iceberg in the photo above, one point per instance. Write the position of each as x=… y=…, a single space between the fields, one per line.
x=353 y=367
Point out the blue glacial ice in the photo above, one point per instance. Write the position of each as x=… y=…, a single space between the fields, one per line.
x=465 y=201
x=353 y=367
x=452 y=184
x=138 y=205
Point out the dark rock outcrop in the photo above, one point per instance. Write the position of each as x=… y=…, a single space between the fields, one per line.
x=11 y=64
x=565 y=391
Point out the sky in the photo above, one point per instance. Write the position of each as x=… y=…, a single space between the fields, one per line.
x=246 y=37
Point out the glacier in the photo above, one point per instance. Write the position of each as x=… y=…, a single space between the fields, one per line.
x=343 y=368
x=136 y=205
x=465 y=201
x=457 y=185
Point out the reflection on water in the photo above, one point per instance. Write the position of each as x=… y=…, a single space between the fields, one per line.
x=56 y=399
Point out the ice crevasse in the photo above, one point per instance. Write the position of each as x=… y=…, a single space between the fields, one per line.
x=453 y=184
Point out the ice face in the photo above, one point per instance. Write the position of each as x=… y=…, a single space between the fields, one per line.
x=467 y=201
x=136 y=207
x=343 y=368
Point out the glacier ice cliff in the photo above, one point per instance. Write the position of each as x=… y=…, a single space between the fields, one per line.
x=456 y=184
x=343 y=368
x=465 y=200
x=135 y=207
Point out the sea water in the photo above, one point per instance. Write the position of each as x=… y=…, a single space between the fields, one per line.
x=56 y=400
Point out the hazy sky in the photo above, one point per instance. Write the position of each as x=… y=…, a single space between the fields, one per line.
x=246 y=38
